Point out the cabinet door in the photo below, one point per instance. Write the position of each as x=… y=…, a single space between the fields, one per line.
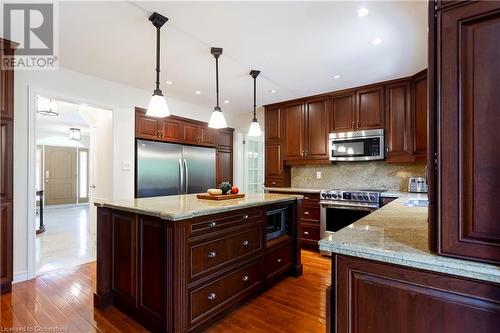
x=294 y=131
x=274 y=162
x=342 y=113
x=6 y=89
x=469 y=166
x=273 y=124
x=147 y=127
x=370 y=108
x=208 y=136
x=224 y=166
x=316 y=123
x=191 y=133
x=420 y=116
x=5 y=241
x=398 y=122
x=225 y=139
x=6 y=159
x=170 y=130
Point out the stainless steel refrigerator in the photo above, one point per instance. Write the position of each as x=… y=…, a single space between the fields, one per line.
x=169 y=169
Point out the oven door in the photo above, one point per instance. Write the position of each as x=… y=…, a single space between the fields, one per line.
x=338 y=215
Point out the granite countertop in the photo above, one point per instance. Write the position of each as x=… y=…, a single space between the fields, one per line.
x=182 y=207
x=398 y=234
x=386 y=194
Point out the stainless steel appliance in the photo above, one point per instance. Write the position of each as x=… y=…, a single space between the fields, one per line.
x=417 y=185
x=276 y=223
x=357 y=146
x=168 y=169
x=339 y=209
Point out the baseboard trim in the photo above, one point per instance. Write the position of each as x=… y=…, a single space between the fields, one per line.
x=20 y=277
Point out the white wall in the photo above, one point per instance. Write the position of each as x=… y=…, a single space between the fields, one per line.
x=50 y=138
x=76 y=87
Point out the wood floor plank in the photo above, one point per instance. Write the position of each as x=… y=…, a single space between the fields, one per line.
x=64 y=298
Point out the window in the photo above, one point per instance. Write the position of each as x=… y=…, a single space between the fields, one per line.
x=254 y=164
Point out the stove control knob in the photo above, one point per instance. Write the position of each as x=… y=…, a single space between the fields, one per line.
x=372 y=197
x=334 y=195
x=328 y=195
x=354 y=196
x=323 y=195
x=366 y=197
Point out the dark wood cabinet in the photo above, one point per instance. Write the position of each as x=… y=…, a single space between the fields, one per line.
x=276 y=173
x=273 y=124
x=208 y=136
x=465 y=159
x=398 y=124
x=274 y=161
x=342 y=112
x=367 y=292
x=170 y=130
x=419 y=115
x=147 y=127
x=369 y=108
x=293 y=135
x=6 y=167
x=191 y=133
x=225 y=139
x=224 y=166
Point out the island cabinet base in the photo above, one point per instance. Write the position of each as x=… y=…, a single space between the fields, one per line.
x=182 y=276
x=377 y=297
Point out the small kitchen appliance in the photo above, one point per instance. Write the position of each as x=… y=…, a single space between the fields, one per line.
x=357 y=145
x=417 y=185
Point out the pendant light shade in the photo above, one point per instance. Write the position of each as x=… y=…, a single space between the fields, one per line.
x=217 y=119
x=254 y=129
x=158 y=105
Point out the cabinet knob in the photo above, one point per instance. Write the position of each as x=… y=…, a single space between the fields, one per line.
x=306 y=213
x=212 y=254
x=278 y=260
x=274 y=183
x=245 y=217
x=245 y=278
x=387 y=149
x=212 y=224
x=306 y=232
x=245 y=243
x=353 y=125
x=357 y=125
x=212 y=296
x=307 y=198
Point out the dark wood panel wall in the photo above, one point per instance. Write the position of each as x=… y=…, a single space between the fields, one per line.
x=464 y=140
x=6 y=168
x=188 y=131
x=297 y=130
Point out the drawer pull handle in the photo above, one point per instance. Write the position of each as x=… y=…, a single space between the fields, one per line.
x=307 y=198
x=274 y=183
x=306 y=213
x=245 y=278
x=245 y=243
x=245 y=217
x=278 y=260
x=212 y=224
x=212 y=296
x=306 y=232
x=212 y=254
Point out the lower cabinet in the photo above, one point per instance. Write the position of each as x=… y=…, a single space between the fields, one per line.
x=377 y=297
x=5 y=246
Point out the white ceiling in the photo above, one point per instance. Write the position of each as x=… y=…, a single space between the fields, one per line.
x=298 y=46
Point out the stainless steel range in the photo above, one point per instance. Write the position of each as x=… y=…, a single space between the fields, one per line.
x=339 y=209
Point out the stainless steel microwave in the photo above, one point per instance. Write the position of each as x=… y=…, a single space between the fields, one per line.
x=357 y=146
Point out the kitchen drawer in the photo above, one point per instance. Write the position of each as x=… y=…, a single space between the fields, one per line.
x=278 y=261
x=309 y=232
x=215 y=296
x=206 y=226
x=309 y=213
x=310 y=199
x=210 y=255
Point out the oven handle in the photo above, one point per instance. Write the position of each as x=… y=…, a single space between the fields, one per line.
x=348 y=206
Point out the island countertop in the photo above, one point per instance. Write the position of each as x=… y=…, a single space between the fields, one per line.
x=182 y=207
x=398 y=234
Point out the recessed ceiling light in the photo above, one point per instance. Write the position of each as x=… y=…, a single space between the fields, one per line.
x=272 y=91
x=226 y=101
x=376 y=41
x=336 y=76
x=169 y=82
x=197 y=92
x=363 y=11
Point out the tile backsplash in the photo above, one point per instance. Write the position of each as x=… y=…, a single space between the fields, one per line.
x=357 y=175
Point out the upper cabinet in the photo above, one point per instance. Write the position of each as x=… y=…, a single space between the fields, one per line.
x=369 y=108
x=342 y=113
x=273 y=124
x=464 y=161
x=398 y=122
x=306 y=130
x=6 y=86
x=191 y=133
x=419 y=115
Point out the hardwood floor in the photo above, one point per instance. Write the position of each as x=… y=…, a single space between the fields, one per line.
x=62 y=302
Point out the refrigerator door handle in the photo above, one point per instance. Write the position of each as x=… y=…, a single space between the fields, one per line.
x=181 y=178
x=187 y=175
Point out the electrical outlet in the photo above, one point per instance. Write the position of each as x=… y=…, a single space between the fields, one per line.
x=126 y=166
x=318 y=174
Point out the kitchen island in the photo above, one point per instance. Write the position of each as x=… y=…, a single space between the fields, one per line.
x=385 y=278
x=178 y=263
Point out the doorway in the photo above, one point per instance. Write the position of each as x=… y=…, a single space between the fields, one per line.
x=70 y=139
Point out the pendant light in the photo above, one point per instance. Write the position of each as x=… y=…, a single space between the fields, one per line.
x=254 y=129
x=158 y=105
x=75 y=134
x=217 y=119
x=46 y=106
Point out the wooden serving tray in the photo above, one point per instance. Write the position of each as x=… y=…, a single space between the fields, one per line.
x=207 y=196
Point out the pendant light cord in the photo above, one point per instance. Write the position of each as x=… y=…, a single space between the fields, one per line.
x=254 y=98
x=217 y=79
x=157 y=58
